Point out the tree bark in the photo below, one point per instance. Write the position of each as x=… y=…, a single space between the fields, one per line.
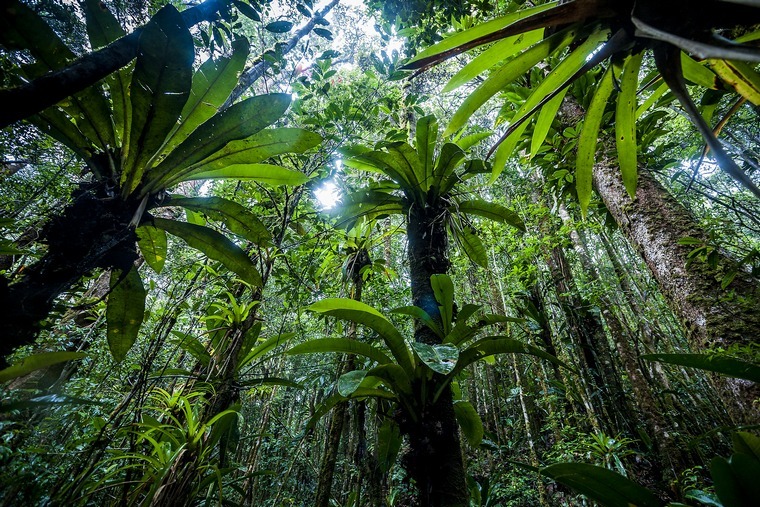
x=711 y=315
x=435 y=457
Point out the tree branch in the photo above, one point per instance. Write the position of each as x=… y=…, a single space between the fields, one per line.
x=35 y=96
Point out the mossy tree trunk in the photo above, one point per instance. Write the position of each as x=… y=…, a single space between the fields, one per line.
x=435 y=457
x=711 y=315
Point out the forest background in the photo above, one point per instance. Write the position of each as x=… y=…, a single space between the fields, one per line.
x=518 y=267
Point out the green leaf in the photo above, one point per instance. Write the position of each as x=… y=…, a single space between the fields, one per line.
x=102 y=27
x=492 y=211
x=584 y=162
x=746 y=443
x=507 y=73
x=49 y=400
x=602 y=485
x=393 y=376
x=125 y=309
x=349 y=382
x=492 y=345
x=478 y=31
x=160 y=87
x=246 y=10
x=279 y=26
x=472 y=246
x=194 y=347
x=240 y=159
x=420 y=314
x=497 y=53
x=235 y=216
x=265 y=347
x=212 y=84
x=215 y=246
x=152 y=243
x=237 y=122
x=388 y=444
x=735 y=480
x=625 y=122
x=37 y=362
x=469 y=421
x=356 y=311
x=544 y=121
x=697 y=73
x=720 y=364
x=326 y=34
x=340 y=345
x=426 y=135
x=439 y=358
x=443 y=288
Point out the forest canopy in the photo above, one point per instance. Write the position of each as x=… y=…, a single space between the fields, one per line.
x=373 y=253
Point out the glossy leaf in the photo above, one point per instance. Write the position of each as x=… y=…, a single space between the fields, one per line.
x=356 y=311
x=544 y=121
x=742 y=77
x=584 y=162
x=602 y=485
x=324 y=345
x=152 y=243
x=439 y=358
x=215 y=246
x=426 y=134
x=235 y=216
x=263 y=173
x=394 y=377
x=212 y=84
x=420 y=314
x=279 y=26
x=37 y=362
x=719 y=364
x=492 y=211
x=735 y=480
x=237 y=122
x=698 y=73
x=125 y=309
x=625 y=123
x=160 y=87
x=470 y=422
x=443 y=288
x=746 y=443
x=492 y=345
x=263 y=348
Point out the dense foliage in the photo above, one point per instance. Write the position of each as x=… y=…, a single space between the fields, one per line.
x=374 y=310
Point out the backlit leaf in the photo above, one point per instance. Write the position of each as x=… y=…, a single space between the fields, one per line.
x=625 y=123
x=152 y=243
x=125 y=309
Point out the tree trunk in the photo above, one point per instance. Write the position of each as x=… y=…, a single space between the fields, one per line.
x=711 y=315
x=435 y=457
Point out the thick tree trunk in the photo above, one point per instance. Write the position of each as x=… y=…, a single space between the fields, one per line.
x=711 y=315
x=435 y=457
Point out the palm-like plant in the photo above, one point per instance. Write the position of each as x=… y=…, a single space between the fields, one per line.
x=415 y=378
x=622 y=32
x=162 y=126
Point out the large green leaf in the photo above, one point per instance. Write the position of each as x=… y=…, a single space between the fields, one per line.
x=492 y=345
x=443 y=288
x=544 y=121
x=239 y=121
x=242 y=158
x=152 y=243
x=394 y=377
x=470 y=242
x=741 y=76
x=735 y=480
x=235 y=216
x=420 y=314
x=350 y=382
x=215 y=246
x=719 y=364
x=426 y=135
x=36 y=362
x=507 y=73
x=340 y=345
x=212 y=84
x=388 y=444
x=160 y=87
x=491 y=211
x=478 y=31
x=125 y=309
x=450 y=158
x=439 y=358
x=356 y=311
x=697 y=73
x=497 y=53
x=625 y=122
x=469 y=421
x=584 y=162
x=265 y=347
x=602 y=485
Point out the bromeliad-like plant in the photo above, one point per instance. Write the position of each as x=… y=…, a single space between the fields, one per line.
x=159 y=125
x=410 y=374
x=705 y=42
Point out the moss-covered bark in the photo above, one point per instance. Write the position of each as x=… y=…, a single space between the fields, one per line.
x=711 y=315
